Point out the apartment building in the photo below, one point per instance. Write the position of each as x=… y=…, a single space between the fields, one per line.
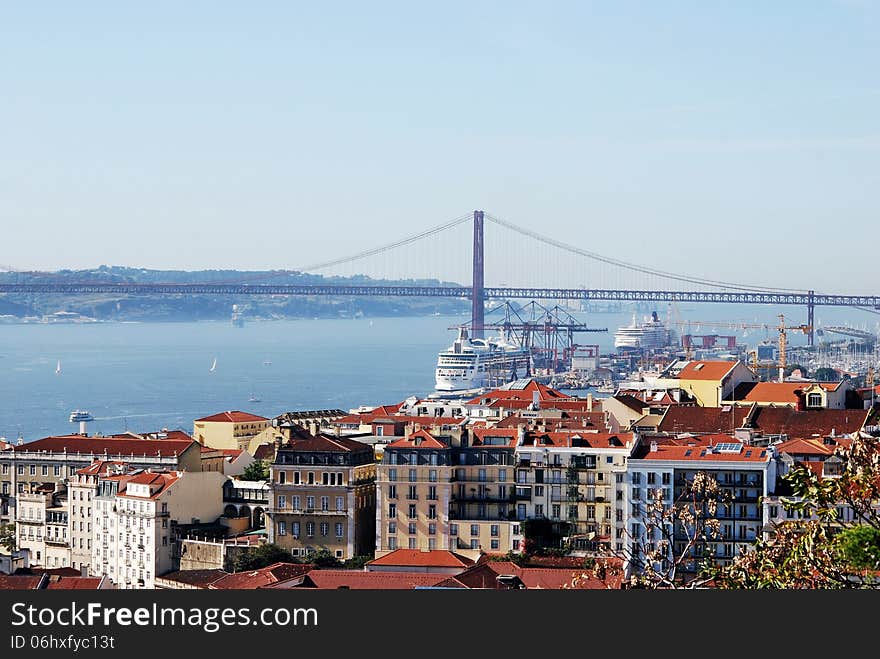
x=53 y=460
x=323 y=496
x=135 y=516
x=229 y=430
x=572 y=479
x=81 y=488
x=744 y=473
x=41 y=526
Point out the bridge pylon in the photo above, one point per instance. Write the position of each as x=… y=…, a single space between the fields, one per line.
x=477 y=283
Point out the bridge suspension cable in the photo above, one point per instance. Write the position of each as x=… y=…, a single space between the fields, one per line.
x=384 y=248
x=631 y=266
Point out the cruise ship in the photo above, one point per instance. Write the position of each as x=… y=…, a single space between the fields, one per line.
x=649 y=334
x=471 y=364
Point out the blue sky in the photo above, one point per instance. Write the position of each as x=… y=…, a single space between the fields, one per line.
x=730 y=140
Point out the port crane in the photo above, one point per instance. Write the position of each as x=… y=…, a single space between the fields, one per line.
x=781 y=328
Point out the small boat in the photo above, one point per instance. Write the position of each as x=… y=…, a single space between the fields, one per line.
x=254 y=399
x=213 y=365
x=268 y=362
x=58 y=368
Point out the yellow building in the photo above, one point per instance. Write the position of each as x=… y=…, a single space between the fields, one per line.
x=229 y=430
x=712 y=382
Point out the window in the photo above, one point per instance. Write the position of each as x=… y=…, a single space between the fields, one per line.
x=325 y=503
x=432 y=512
x=325 y=478
x=493 y=530
x=340 y=504
x=432 y=475
x=392 y=543
x=411 y=513
x=310 y=503
x=311 y=478
x=45 y=470
x=282 y=477
x=652 y=478
x=392 y=474
x=282 y=528
x=814 y=400
x=502 y=475
x=495 y=544
x=432 y=544
x=392 y=528
x=339 y=529
x=453 y=529
x=282 y=501
x=637 y=494
x=413 y=475
x=432 y=528
x=636 y=477
x=666 y=478
x=475 y=529
x=411 y=493
x=773 y=511
x=325 y=528
x=296 y=478
x=392 y=510
x=481 y=475
x=310 y=529
x=475 y=543
x=413 y=543
x=573 y=512
x=164 y=540
x=539 y=510
x=539 y=490
x=411 y=528
x=432 y=492
x=555 y=511
x=296 y=502
x=294 y=529
x=33 y=470
x=520 y=511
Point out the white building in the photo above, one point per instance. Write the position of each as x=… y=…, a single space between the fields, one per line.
x=41 y=525
x=81 y=488
x=133 y=519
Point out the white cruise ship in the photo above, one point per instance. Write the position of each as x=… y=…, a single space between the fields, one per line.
x=470 y=364
x=649 y=334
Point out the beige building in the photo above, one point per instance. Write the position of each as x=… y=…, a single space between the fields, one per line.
x=81 y=488
x=799 y=395
x=323 y=496
x=41 y=525
x=229 y=430
x=134 y=516
x=53 y=460
x=709 y=382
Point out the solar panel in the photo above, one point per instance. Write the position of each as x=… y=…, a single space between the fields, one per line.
x=728 y=447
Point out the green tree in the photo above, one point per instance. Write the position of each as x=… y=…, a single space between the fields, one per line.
x=324 y=558
x=826 y=374
x=262 y=556
x=7 y=537
x=357 y=562
x=256 y=471
x=818 y=548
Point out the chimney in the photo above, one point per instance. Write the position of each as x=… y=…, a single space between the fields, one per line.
x=590 y=402
x=313 y=428
x=653 y=446
x=83 y=570
x=536 y=400
x=520 y=434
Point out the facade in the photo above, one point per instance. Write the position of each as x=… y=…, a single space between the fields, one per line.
x=81 y=488
x=747 y=475
x=323 y=496
x=573 y=480
x=53 y=460
x=134 y=520
x=245 y=504
x=799 y=395
x=229 y=430
x=41 y=526
x=710 y=382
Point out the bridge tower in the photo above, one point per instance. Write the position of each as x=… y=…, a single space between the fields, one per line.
x=477 y=284
x=811 y=311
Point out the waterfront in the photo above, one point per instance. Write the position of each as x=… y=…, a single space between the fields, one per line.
x=145 y=376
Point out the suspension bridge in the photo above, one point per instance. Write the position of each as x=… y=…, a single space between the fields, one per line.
x=536 y=267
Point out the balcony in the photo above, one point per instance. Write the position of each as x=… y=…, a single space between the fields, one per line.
x=57 y=542
x=304 y=511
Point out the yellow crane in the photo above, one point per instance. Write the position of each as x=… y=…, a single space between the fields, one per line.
x=782 y=328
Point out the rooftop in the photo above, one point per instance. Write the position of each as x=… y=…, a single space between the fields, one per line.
x=232 y=416
x=108 y=445
x=706 y=370
x=422 y=558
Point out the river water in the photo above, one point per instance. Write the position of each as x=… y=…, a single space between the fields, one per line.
x=148 y=376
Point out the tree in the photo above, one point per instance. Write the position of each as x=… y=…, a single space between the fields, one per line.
x=826 y=374
x=324 y=558
x=820 y=547
x=262 y=556
x=256 y=471
x=7 y=537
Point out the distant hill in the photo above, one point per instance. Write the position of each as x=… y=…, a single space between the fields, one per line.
x=214 y=307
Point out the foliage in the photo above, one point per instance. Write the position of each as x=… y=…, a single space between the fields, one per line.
x=818 y=548
x=826 y=374
x=357 y=562
x=324 y=558
x=7 y=537
x=517 y=558
x=256 y=471
x=262 y=556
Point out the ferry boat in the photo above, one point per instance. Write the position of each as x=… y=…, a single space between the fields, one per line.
x=649 y=334
x=472 y=364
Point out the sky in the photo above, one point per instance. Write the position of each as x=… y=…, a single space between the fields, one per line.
x=727 y=140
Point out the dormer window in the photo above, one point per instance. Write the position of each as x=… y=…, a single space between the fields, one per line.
x=814 y=400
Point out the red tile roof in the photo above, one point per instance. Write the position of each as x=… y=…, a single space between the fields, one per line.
x=162 y=480
x=702 y=454
x=783 y=392
x=679 y=418
x=422 y=558
x=324 y=443
x=572 y=439
x=261 y=578
x=110 y=445
x=485 y=575
x=807 y=423
x=706 y=370
x=198 y=578
x=101 y=467
x=494 y=436
x=420 y=439
x=545 y=393
x=360 y=580
x=19 y=582
x=73 y=583
x=573 y=420
x=233 y=416
x=813 y=446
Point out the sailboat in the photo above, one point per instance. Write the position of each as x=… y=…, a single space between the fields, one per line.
x=58 y=368
x=214 y=365
x=254 y=398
